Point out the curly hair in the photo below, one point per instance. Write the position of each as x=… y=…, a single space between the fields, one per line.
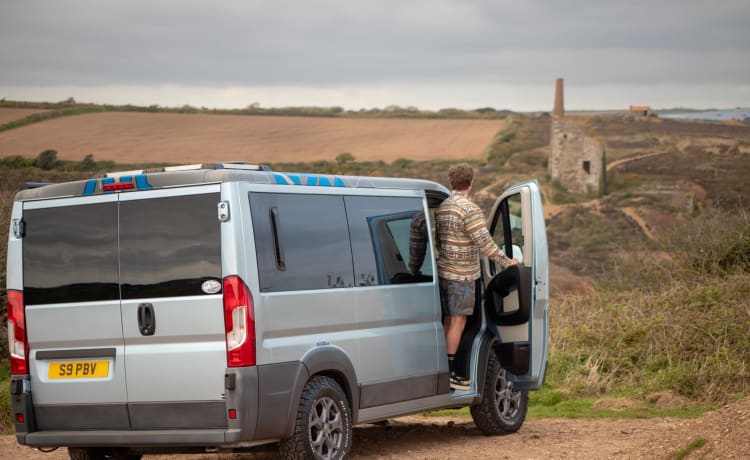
x=460 y=176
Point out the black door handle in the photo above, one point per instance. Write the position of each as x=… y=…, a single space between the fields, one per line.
x=146 y=319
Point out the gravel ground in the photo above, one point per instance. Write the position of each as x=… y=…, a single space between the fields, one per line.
x=727 y=432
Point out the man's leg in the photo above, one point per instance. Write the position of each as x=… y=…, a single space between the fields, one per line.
x=456 y=300
x=455 y=327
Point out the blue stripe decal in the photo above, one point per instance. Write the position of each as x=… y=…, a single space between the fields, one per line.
x=281 y=180
x=307 y=179
x=90 y=187
x=141 y=182
x=107 y=181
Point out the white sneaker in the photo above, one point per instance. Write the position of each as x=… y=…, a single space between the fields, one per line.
x=459 y=383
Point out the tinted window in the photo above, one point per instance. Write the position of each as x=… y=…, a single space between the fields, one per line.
x=507 y=230
x=169 y=246
x=70 y=254
x=301 y=241
x=389 y=237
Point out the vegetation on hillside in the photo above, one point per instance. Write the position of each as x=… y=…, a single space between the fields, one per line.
x=653 y=323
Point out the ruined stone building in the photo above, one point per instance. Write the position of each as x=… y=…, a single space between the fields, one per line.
x=577 y=159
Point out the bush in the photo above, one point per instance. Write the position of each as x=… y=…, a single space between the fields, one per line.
x=46 y=160
x=88 y=163
x=345 y=157
x=15 y=162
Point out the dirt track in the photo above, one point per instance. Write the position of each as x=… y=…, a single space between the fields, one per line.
x=419 y=437
x=192 y=138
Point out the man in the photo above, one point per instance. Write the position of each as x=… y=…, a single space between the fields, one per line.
x=462 y=234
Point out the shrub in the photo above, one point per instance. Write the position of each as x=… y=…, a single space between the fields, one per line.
x=88 y=163
x=15 y=162
x=345 y=157
x=46 y=160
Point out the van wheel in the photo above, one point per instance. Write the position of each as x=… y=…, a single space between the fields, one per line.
x=502 y=409
x=101 y=453
x=323 y=429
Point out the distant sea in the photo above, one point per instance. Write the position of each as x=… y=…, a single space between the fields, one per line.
x=717 y=115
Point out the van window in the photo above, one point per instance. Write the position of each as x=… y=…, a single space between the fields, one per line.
x=301 y=241
x=169 y=246
x=389 y=237
x=70 y=254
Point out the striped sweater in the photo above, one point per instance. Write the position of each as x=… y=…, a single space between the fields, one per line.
x=461 y=235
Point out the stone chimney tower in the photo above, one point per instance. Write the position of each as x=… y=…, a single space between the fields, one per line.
x=559 y=109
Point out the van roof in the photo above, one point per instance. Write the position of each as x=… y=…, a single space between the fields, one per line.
x=146 y=180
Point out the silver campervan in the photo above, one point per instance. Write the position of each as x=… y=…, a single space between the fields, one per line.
x=225 y=306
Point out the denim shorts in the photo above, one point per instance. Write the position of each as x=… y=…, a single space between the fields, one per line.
x=457 y=297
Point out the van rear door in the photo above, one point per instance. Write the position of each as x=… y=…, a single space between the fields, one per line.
x=74 y=326
x=517 y=298
x=172 y=308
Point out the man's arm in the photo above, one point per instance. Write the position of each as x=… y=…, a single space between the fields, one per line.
x=475 y=226
x=417 y=242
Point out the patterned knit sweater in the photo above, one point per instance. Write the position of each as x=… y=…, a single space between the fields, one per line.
x=461 y=235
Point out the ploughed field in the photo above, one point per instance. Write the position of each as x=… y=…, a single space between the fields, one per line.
x=130 y=138
x=7 y=115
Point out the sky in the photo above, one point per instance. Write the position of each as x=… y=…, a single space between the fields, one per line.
x=430 y=54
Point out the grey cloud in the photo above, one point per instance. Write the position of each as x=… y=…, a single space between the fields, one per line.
x=343 y=42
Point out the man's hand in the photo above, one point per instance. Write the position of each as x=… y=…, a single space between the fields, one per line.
x=513 y=262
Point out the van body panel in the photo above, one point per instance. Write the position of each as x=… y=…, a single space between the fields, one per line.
x=52 y=328
x=287 y=332
x=185 y=358
x=388 y=329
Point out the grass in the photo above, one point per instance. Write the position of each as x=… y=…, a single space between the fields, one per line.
x=653 y=325
x=581 y=408
x=695 y=444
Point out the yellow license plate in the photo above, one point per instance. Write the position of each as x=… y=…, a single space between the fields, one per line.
x=78 y=370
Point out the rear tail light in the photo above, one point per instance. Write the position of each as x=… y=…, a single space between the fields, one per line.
x=239 y=322
x=17 y=343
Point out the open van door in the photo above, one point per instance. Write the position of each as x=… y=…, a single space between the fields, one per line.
x=517 y=298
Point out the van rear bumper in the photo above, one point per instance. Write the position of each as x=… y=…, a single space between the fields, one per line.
x=262 y=400
x=143 y=438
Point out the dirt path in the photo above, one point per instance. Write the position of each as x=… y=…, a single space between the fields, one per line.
x=632 y=213
x=725 y=432
x=420 y=437
x=618 y=163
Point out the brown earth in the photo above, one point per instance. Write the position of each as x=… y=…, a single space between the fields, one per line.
x=420 y=437
x=8 y=114
x=191 y=138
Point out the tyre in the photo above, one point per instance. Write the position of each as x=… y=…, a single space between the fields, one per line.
x=502 y=409
x=101 y=453
x=323 y=428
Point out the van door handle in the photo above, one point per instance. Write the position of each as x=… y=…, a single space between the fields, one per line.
x=146 y=319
